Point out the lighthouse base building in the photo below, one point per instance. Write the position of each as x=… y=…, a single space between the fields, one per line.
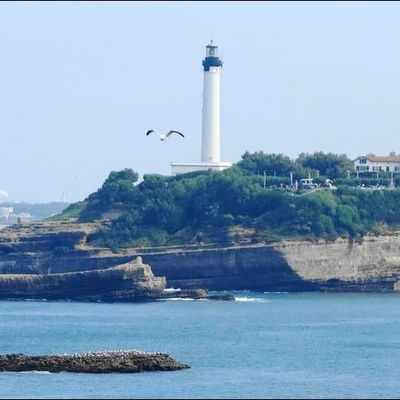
x=184 y=167
x=211 y=135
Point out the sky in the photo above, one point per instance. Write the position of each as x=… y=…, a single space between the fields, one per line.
x=82 y=82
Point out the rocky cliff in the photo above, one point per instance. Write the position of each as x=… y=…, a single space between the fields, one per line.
x=295 y=265
x=372 y=264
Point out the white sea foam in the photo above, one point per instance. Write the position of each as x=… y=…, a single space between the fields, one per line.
x=251 y=299
x=180 y=299
x=276 y=292
x=171 y=290
x=35 y=372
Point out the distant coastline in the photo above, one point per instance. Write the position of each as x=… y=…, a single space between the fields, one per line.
x=16 y=212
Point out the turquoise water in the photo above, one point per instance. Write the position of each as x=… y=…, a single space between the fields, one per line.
x=276 y=345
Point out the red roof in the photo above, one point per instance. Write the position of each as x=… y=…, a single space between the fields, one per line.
x=385 y=159
x=389 y=159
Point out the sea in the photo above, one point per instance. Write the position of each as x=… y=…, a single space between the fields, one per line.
x=262 y=345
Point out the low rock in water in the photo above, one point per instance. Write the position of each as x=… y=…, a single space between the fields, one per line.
x=96 y=362
x=194 y=294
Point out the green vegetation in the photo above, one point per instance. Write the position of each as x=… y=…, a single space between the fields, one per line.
x=72 y=211
x=212 y=206
x=330 y=165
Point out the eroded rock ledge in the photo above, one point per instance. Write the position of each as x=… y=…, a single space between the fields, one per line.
x=131 y=281
x=97 y=362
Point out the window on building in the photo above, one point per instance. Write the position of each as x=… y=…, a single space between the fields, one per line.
x=363 y=160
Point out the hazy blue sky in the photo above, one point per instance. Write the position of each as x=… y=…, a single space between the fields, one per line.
x=81 y=83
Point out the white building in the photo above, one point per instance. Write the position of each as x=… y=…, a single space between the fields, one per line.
x=373 y=163
x=211 y=135
x=5 y=212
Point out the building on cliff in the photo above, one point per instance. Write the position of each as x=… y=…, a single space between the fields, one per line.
x=373 y=163
x=211 y=135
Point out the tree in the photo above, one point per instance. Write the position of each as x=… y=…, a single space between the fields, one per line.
x=125 y=175
x=328 y=164
x=273 y=164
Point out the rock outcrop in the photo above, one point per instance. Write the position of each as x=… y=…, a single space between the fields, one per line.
x=194 y=294
x=98 y=362
x=132 y=281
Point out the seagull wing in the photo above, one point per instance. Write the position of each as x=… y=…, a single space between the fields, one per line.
x=150 y=131
x=169 y=133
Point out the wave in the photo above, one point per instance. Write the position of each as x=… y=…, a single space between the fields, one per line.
x=276 y=292
x=35 y=372
x=179 y=299
x=251 y=299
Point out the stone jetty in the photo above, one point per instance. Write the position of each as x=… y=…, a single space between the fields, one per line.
x=123 y=361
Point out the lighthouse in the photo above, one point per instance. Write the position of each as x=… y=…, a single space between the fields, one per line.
x=211 y=129
x=210 y=139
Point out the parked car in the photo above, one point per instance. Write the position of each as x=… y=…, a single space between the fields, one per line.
x=307 y=183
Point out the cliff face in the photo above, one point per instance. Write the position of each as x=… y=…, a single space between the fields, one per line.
x=373 y=264
x=241 y=268
x=342 y=265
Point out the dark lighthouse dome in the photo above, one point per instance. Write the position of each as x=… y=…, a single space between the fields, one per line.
x=212 y=59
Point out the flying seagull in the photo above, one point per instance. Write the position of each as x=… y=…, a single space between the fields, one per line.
x=163 y=136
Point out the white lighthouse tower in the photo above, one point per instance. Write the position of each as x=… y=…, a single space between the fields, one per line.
x=210 y=139
x=211 y=134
